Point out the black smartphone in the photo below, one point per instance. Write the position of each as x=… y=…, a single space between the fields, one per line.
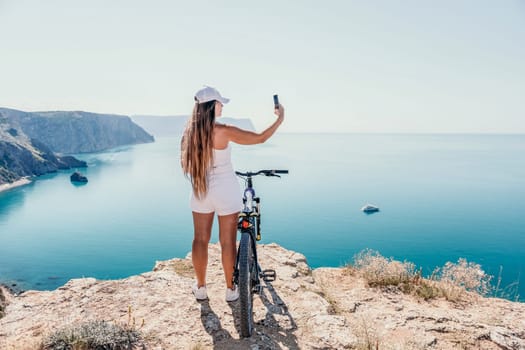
x=276 y=101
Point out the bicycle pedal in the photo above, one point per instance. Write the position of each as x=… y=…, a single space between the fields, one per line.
x=269 y=275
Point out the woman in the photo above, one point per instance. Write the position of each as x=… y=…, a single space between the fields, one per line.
x=206 y=160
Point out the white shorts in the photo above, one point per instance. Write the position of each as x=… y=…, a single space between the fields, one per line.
x=224 y=196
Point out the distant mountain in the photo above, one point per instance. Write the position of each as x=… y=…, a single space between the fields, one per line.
x=32 y=143
x=162 y=126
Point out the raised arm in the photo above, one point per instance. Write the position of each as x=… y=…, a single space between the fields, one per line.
x=245 y=137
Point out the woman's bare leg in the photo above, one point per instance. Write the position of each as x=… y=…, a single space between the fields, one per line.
x=199 y=250
x=228 y=237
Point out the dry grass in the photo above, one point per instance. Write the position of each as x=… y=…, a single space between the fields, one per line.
x=451 y=281
x=467 y=275
x=510 y=292
x=97 y=334
x=92 y=335
x=183 y=268
x=382 y=272
x=369 y=340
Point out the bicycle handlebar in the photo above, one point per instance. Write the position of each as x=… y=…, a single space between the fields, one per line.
x=263 y=172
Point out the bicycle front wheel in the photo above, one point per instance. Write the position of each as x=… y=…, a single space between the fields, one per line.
x=245 y=284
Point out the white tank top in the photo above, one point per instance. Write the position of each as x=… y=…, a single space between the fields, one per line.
x=222 y=161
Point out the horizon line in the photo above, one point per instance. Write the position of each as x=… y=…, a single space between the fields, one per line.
x=501 y=133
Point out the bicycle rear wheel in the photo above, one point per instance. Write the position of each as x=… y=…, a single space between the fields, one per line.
x=245 y=283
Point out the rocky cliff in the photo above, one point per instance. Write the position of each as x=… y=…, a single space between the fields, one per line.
x=325 y=308
x=78 y=132
x=22 y=156
x=32 y=144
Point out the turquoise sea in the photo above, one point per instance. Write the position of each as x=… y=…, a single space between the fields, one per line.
x=442 y=197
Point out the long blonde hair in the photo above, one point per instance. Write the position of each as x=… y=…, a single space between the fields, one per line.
x=197 y=146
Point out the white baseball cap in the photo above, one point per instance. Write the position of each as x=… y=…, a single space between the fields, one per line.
x=207 y=93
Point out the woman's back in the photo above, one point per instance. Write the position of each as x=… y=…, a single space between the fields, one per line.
x=222 y=161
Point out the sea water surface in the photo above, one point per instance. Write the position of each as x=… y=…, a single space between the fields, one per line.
x=442 y=197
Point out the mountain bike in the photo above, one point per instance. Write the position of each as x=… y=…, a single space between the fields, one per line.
x=248 y=273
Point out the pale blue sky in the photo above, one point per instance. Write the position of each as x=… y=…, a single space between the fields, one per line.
x=343 y=66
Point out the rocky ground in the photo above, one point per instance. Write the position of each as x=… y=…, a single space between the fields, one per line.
x=325 y=308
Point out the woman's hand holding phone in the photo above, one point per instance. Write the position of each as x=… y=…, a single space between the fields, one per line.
x=278 y=108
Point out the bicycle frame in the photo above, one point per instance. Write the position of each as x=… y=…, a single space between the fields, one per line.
x=247 y=271
x=250 y=223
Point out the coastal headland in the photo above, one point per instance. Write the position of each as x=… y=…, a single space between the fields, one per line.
x=323 y=308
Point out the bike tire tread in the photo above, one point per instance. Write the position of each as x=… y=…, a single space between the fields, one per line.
x=245 y=293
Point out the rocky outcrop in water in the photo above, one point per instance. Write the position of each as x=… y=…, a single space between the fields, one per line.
x=78 y=177
x=324 y=308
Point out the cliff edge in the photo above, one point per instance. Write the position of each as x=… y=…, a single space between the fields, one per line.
x=34 y=143
x=324 y=308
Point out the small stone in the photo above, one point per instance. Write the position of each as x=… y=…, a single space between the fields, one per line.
x=309 y=279
x=293 y=286
x=430 y=341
